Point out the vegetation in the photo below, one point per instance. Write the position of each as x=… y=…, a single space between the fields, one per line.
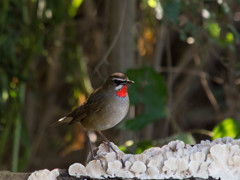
x=182 y=54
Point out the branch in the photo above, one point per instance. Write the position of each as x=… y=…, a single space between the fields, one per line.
x=207 y=89
x=170 y=115
x=198 y=73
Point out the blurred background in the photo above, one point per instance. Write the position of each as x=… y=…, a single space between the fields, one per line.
x=183 y=55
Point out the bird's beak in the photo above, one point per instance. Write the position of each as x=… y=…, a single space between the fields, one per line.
x=130 y=82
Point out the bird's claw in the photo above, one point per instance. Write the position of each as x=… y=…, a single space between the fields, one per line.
x=123 y=163
x=111 y=147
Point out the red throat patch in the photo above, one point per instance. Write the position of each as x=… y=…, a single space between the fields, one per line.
x=122 y=92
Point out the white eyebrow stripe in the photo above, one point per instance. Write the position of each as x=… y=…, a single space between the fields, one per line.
x=118 y=79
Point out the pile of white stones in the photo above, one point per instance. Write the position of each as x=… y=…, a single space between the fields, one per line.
x=218 y=159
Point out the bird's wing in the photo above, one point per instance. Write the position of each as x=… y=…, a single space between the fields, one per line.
x=92 y=105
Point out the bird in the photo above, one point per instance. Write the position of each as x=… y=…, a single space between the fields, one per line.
x=104 y=108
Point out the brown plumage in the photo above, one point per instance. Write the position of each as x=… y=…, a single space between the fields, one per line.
x=104 y=108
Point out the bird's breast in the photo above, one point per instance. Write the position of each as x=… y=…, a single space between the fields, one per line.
x=110 y=115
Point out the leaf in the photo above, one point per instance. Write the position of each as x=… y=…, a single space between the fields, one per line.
x=141 y=121
x=229 y=37
x=148 y=91
x=152 y=3
x=186 y=137
x=74 y=7
x=228 y=127
x=214 y=29
x=143 y=145
x=171 y=10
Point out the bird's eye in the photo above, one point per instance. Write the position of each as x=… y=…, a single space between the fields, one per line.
x=117 y=82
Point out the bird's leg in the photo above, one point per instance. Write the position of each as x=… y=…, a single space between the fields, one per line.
x=90 y=146
x=109 y=143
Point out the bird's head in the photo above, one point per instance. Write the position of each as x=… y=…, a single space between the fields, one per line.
x=119 y=83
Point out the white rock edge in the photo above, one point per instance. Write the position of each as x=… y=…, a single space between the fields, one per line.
x=44 y=174
x=218 y=159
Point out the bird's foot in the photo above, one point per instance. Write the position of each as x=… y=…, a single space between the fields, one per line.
x=111 y=147
x=123 y=163
x=94 y=157
x=91 y=157
x=109 y=144
x=101 y=163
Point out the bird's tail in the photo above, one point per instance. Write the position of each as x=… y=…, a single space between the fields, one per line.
x=62 y=120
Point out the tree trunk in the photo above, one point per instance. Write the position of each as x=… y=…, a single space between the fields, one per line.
x=121 y=26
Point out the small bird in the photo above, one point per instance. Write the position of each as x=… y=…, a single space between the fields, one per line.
x=104 y=108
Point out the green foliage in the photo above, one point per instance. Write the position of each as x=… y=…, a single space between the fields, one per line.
x=190 y=28
x=214 y=29
x=229 y=37
x=149 y=91
x=171 y=10
x=228 y=127
x=140 y=146
x=152 y=3
x=25 y=38
x=186 y=137
x=12 y=120
x=74 y=7
x=143 y=145
x=136 y=147
x=217 y=35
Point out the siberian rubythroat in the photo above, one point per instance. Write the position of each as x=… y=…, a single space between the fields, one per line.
x=104 y=108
